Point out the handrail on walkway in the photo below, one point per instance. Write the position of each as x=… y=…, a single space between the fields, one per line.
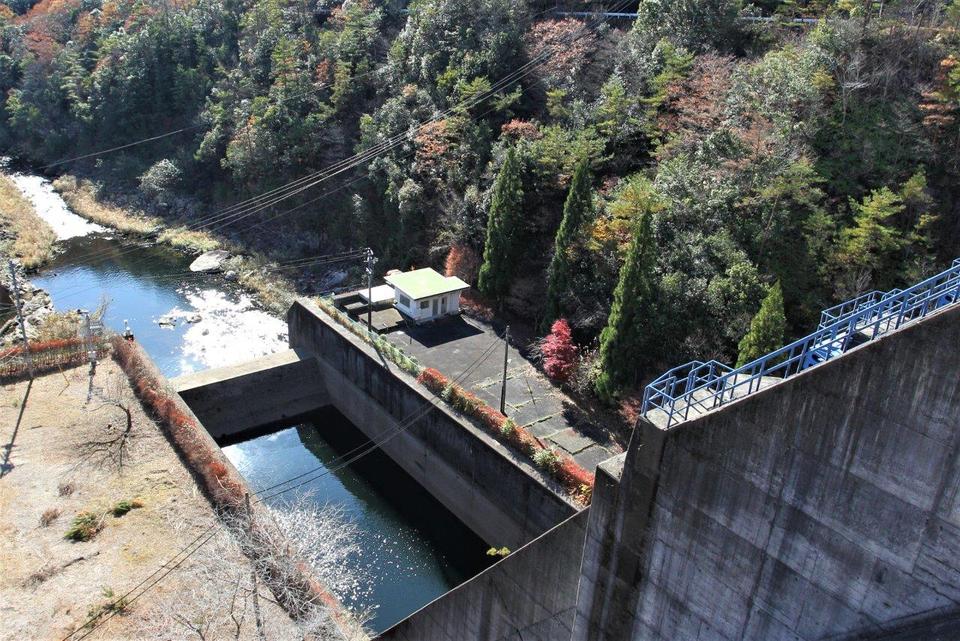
x=703 y=386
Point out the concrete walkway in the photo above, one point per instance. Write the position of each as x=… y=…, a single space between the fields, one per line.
x=453 y=345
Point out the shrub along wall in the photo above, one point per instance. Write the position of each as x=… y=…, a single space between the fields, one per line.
x=224 y=486
x=577 y=481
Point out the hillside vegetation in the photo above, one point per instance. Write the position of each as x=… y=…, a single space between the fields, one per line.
x=673 y=169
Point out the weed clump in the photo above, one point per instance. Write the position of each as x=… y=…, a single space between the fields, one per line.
x=546 y=460
x=122 y=507
x=49 y=515
x=85 y=526
x=113 y=606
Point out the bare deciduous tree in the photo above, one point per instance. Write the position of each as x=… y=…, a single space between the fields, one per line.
x=217 y=600
x=113 y=448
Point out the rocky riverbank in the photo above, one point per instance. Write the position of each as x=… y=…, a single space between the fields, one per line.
x=26 y=242
x=37 y=304
x=254 y=273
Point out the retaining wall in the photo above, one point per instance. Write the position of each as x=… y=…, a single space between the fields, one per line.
x=230 y=400
x=825 y=507
x=501 y=497
x=531 y=594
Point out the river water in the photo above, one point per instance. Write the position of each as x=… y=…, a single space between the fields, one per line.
x=412 y=549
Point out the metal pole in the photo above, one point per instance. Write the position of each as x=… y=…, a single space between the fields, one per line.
x=371 y=261
x=23 y=325
x=88 y=338
x=253 y=575
x=503 y=384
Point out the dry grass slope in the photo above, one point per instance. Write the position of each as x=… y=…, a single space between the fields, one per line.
x=81 y=195
x=32 y=239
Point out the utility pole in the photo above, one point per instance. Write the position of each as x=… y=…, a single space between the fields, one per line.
x=88 y=338
x=253 y=574
x=371 y=261
x=23 y=325
x=503 y=384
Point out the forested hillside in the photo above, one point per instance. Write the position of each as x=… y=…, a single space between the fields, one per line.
x=679 y=169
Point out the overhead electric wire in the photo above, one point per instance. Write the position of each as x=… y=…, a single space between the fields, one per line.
x=391 y=141
x=254 y=205
x=95 y=621
x=174 y=132
x=374 y=445
x=135 y=143
x=313 y=261
x=295 y=187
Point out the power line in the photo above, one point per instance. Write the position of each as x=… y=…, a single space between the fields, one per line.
x=288 y=192
x=251 y=206
x=294 y=187
x=315 y=261
x=191 y=548
x=174 y=132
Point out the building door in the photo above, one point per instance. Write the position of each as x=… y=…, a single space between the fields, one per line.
x=443 y=305
x=434 y=306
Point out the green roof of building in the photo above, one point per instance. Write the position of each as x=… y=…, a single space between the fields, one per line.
x=424 y=283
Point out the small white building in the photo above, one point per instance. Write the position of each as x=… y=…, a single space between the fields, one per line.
x=424 y=295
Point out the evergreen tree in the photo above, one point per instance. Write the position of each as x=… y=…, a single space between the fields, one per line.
x=766 y=329
x=503 y=230
x=873 y=242
x=576 y=210
x=625 y=341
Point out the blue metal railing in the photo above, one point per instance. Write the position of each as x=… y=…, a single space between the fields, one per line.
x=703 y=386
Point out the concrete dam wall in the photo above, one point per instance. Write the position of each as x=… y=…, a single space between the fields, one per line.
x=825 y=507
x=231 y=400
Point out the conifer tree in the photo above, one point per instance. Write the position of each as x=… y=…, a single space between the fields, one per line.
x=766 y=329
x=874 y=240
x=625 y=341
x=503 y=230
x=576 y=210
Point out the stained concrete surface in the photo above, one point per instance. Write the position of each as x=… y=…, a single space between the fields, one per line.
x=453 y=345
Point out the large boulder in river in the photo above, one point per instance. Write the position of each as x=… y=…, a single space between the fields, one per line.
x=212 y=261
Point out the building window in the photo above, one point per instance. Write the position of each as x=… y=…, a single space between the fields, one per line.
x=424 y=304
x=403 y=300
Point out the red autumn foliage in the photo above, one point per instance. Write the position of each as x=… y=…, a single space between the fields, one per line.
x=574 y=478
x=202 y=455
x=524 y=129
x=433 y=141
x=475 y=306
x=433 y=380
x=46 y=356
x=565 y=44
x=559 y=352
x=695 y=104
x=462 y=262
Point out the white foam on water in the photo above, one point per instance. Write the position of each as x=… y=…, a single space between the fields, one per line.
x=52 y=208
x=231 y=329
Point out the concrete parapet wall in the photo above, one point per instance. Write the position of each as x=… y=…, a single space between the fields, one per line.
x=230 y=400
x=529 y=595
x=825 y=507
x=501 y=497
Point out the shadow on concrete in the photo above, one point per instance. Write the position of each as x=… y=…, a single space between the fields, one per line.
x=7 y=466
x=442 y=331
